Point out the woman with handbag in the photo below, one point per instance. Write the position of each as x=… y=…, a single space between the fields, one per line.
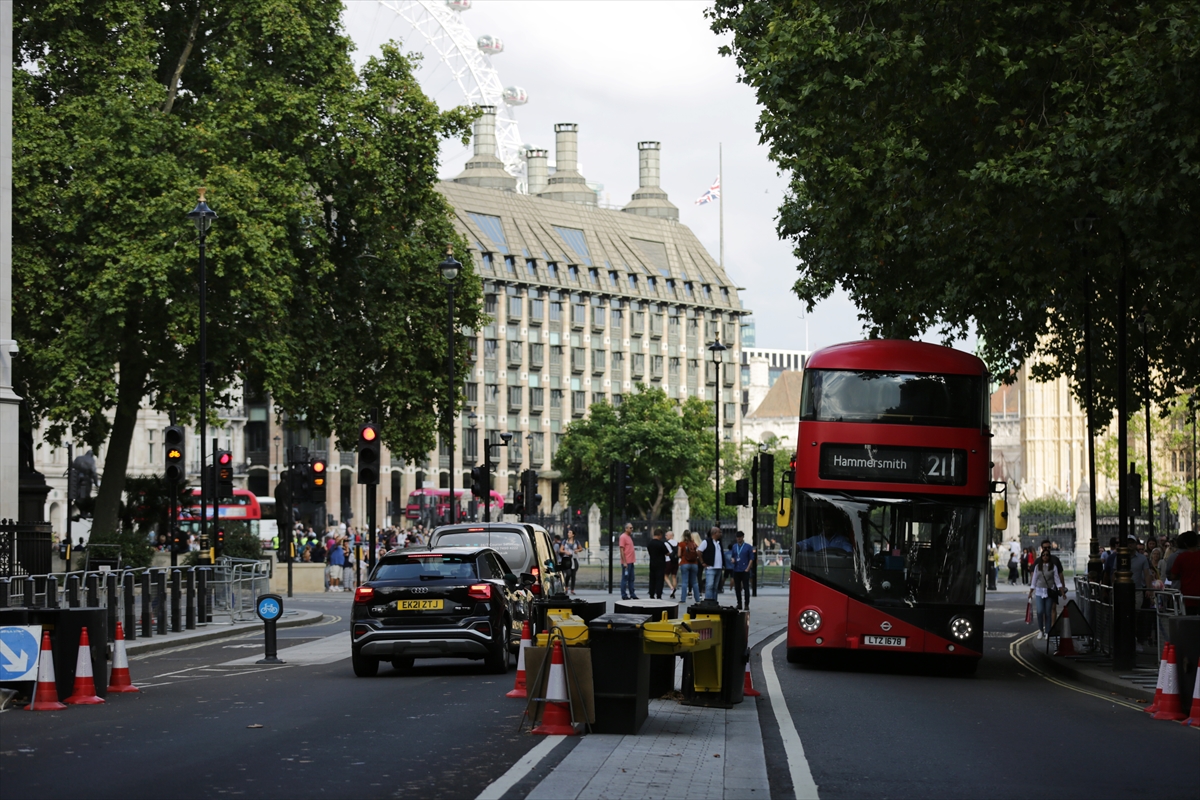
x=1045 y=588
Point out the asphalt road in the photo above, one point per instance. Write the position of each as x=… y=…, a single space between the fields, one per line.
x=445 y=730
x=878 y=730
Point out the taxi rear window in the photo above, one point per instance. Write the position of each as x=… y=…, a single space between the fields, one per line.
x=425 y=567
x=512 y=546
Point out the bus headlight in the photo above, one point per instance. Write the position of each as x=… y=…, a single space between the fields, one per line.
x=960 y=628
x=810 y=620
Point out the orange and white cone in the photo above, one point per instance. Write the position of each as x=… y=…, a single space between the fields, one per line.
x=556 y=717
x=119 y=681
x=85 y=685
x=519 y=689
x=1170 y=700
x=748 y=689
x=46 y=696
x=1158 y=686
x=1193 y=719
x=1066 y=645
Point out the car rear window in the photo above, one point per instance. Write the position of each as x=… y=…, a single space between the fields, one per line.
x=513 y=547
x=425 y=567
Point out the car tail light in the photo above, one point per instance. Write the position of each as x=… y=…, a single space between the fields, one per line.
x=480 y=591
x=364 y=595
x=536 y=588
x=535 y=572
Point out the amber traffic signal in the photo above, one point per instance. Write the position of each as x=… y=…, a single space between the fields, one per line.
x=173 y=453
x=317 y=469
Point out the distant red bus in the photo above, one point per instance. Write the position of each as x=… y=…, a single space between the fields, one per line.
x=437 y=500
x=243 y=511
x=890 y=497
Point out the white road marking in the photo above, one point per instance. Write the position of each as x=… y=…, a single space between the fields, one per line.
x=519 y=770
x=322 y=651
x=803 y=784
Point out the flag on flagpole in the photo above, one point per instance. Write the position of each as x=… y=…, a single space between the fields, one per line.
x=713 y=193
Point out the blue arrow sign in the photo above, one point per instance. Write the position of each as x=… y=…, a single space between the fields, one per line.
x=269 y=608
x=19 y=649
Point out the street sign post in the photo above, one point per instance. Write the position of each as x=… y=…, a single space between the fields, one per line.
x=269 y=609
x=19 y=649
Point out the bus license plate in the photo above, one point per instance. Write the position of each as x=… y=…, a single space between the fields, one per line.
x=418 y=605
x=886 y=641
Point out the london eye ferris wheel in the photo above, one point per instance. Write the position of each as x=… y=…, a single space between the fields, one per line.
x=457 y=65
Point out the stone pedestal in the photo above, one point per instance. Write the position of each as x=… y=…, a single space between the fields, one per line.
x=594 y=526
x=681 y=513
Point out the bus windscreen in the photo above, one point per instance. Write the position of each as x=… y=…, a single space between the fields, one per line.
x=951 y=401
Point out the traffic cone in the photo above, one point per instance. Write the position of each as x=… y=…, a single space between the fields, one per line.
x=556 y=717
x=1170 y=699
x=748 y=689
x=1158 y=686
x=119 y=682
x=1193 y=719
x=46 y=696
x=85 y=686
x=1066 y=645
x=519 y=689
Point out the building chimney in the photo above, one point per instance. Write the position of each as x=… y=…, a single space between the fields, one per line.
x=650 y=200
x=566 y=183
x=484 y=168
x=535 y=160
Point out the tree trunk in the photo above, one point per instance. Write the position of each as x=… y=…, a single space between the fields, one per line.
x=116 y=458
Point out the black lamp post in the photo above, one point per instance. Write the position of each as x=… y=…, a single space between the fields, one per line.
x=1143 y=324
x=202 y=216
x=716 y=348
x=450 y=268
x=1192 y=406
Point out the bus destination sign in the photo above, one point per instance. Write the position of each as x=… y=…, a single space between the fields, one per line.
x=868 y=462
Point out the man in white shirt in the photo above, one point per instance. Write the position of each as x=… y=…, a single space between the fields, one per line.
x=714 y=560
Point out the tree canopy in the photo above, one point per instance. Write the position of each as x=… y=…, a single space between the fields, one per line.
x=666 y=444
x=323 y=287
x=990 y=165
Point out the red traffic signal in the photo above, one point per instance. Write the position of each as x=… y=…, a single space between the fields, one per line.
x=368 y=454
x=224 y=458
x=317 y=469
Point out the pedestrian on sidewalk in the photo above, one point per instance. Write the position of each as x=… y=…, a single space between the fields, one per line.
x=714 y=564
x=570 y=561
x=672 y=561
x=1027 y=559
x=1012 y=569
x=689 y=567
x=1046 y=584
x=742 y=557
x=349 y=568
x=337 y=560
x=627 y=560
x=1185 y=572
x=656 y=552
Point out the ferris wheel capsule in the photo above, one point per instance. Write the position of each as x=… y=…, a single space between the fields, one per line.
x=490 y=45
x=515 y=96
x=459 y=5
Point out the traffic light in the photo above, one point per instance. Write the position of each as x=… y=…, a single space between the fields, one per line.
x=1133 y=485
x=479 y=482
x=533 y=500
x=224 y=460
x=317 y=468
x=623 y=479
x=303 y=478
x=220 y=540
x=518 y=503
x=766 y=479
x=173 y=453
x=740 y=496
x=368 y=454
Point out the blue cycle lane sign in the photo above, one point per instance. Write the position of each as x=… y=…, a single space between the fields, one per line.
x=269 y=607
x=19 y=648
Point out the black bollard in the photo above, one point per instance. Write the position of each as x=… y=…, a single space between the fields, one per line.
x=160 y=598
x=92 y=582
x=51 y=592
x=72 y=591
x=269 y=609
x=190 y=614
x=127 y=595
x=176 y=624
x=112 y=604
x=27 y=588
x=204 y=601
x=5 y=585
x=147 y=620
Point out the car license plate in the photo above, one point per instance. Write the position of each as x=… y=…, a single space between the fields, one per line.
x=886 y=641
x=418 y=605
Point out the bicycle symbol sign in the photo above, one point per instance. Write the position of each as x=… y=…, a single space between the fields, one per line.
x=270 y=607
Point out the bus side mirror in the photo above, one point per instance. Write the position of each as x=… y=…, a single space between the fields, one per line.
x=783 y=514
x=1001 y=514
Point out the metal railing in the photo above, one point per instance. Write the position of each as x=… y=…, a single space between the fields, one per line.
x=1096 y=602
x=149 y=601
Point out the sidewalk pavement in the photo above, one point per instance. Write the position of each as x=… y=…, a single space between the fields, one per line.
x=214 y=631
x=1094 y=670
x=681 y=751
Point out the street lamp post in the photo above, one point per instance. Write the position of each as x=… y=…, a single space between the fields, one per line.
x=450 y=267
x=716 y=348
x=202 y=216
x=1143 y=324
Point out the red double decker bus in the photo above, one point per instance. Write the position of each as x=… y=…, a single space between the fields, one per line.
x=889 y=504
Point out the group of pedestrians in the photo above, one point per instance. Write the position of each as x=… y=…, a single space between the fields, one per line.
x=700 y=566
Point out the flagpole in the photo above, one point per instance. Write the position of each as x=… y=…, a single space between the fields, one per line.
x=721 y=200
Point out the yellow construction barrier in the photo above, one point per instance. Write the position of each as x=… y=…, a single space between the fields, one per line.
x=574 y=630
x=698 y=634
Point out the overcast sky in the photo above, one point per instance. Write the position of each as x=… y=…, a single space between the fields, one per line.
x=633 y=70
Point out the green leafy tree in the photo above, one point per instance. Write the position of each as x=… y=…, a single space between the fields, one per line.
x=996 y=166
x=665 y=442
x=322 y=281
